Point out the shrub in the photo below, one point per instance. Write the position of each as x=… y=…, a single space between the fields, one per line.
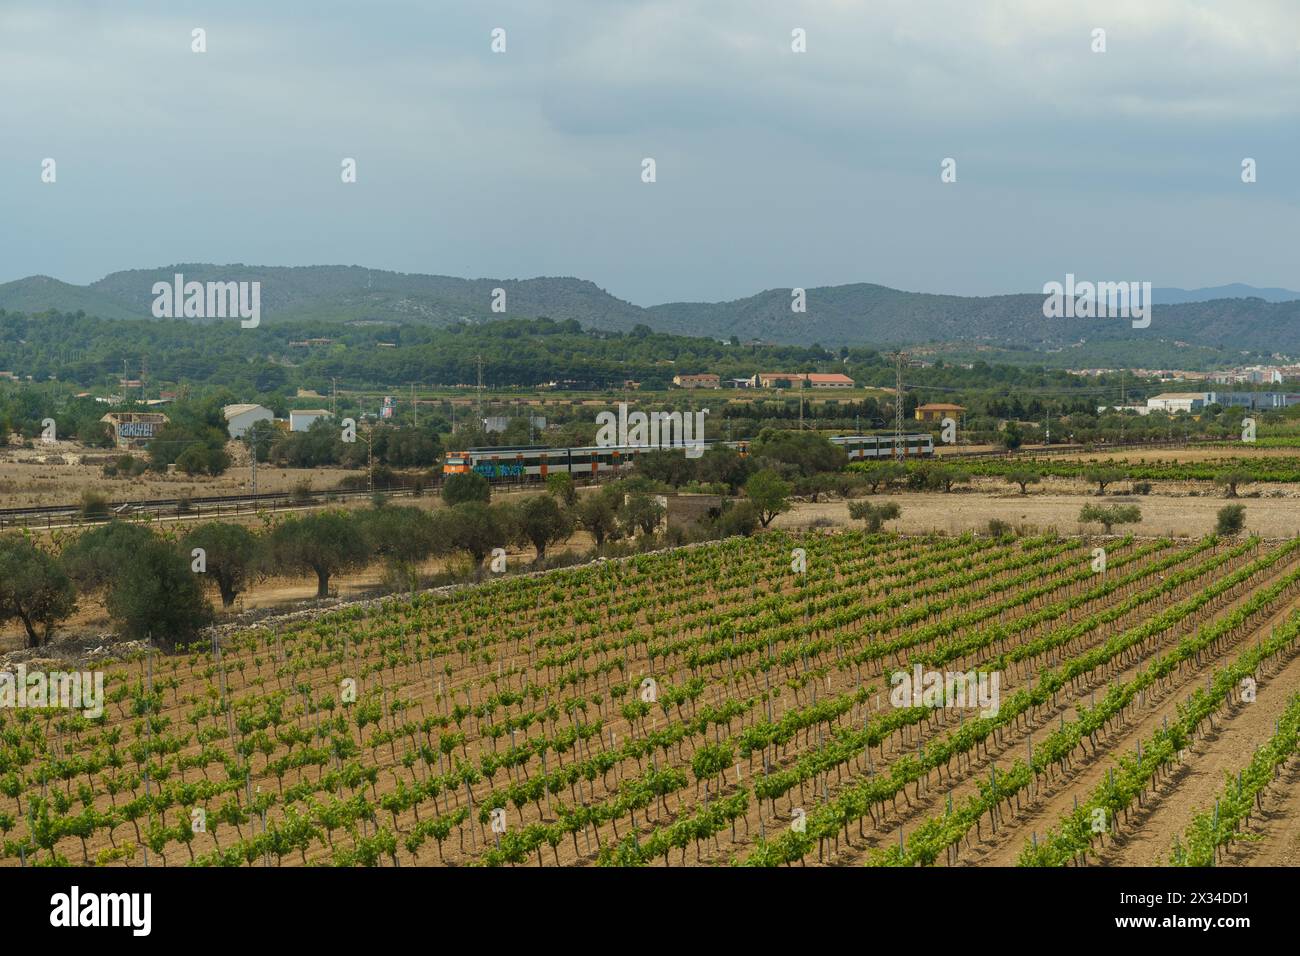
x=94 y=506
x=874 y=516
x=465 y=487
x=739 y=518
x=1231 y=520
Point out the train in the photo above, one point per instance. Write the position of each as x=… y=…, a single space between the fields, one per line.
x=521 y=464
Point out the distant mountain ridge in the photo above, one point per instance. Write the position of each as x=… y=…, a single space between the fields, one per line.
x=854 y=314
x=1235 y=290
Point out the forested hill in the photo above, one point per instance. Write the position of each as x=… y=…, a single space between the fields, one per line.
x=857 y=314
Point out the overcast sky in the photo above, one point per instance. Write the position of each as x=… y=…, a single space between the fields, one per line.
x=774 y=168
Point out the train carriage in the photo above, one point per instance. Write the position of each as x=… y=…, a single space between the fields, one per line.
x=866 y=447
x=535 y=464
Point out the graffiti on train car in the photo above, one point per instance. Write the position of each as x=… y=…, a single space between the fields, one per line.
x=490 y=469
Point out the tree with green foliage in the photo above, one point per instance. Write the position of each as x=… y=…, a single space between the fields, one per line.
x=402 y=537
x=769 y=493
x=1012 y=437
x=597 y=514
x=97 y=555
x=541 y=522
x=465 y=487
x=1023 y=477
x=639 y=510
x=873 y=515
x=203 y=460
x=1109 y=515
x=472 y=527
x=321 y=444
x=562 y=487
x=720 y=464
x=1103 y=475
x=156 y=596
x=194 y=430
x=1231 y=478
x=1231 y=520
x=262 y=436
x=232 y=556
x=738 y=518
x=34 y=588
x=806 y=452
x=324 y=543
x=404 y=534
x=878 y=473
x=824 y=483
x=668 y=466
x=940 y=477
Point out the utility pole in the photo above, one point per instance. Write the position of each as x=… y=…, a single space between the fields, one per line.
x=899 y=357
x=480 y=390
x=370 y=456
x=334 y=396
x=415 y=409
x=252 y=447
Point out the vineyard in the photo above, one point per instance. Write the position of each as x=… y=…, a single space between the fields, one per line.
x=725 y=704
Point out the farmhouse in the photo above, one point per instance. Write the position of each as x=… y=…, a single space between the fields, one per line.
x=240 y=418
x=301 y=419
x=938 y=411
x=703 y=380
x=828 y=380
x=801 y=380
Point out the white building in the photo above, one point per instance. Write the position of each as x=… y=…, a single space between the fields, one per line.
x=1179 y=401
x=495 y=424
x=240 y=418
x=300 y=419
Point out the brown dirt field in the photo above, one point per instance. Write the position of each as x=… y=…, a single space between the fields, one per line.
x=1204 y=453
x=52 y=476
x=972 y=510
